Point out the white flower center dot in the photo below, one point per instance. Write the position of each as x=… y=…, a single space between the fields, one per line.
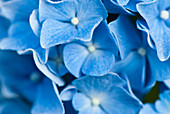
x=91 y=48
x=95 y=102
x=142 y=51
x=164 y=14
x=75 y=21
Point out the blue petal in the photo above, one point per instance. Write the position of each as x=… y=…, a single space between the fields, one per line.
x=19 y=38
x=4 y=27
x=91 y=9
x=126 y=34
x=46 y=104
x=98 y=63
x=104 y=41
x=163 y=104
x=92 y=110
x=149 y=11
x=45 y=70
x=80 y=101
x=114 y=103
x=34 y=23
x=123 y=2
x=159 y=69
x=60 y=10
x=18 y=9
x=90 y=84
x=74 y=56
x=148 y=108
x=68 y=93
x=55 y=32
x=138 y=64
x=113 y=7
x=14 y=106
x=167 y=83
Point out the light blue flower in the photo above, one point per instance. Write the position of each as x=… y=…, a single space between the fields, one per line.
x=127 y=7
x=20 y=35
x=157 y=16
x=161 y=106
x=103 y=95
x=91 y=58
x=167 y=83
x=27 y=81
x=139 y=61
x=68 y=20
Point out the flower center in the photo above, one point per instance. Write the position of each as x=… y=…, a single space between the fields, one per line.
x=75 y=21
x=95 y=102
x=59 y=60
x=142 y=51
x=35 y=77
x=164 y=14
x=91 y=48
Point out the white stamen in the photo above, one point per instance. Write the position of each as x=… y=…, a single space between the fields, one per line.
x=164 y=15
x=91 y=48
x=95 y=102
x=142 y=51
x=35 y=77
x=75 y=21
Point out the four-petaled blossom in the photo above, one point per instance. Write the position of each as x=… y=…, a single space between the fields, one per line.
x=103 y=95
x=69 y=20
x=91 y=58
x=157 y=16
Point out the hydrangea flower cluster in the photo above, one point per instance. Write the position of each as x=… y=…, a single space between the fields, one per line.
x=85 y=56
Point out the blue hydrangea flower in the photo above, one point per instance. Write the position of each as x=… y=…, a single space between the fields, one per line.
x=20 y=34
x=54 y=68
x=102 y=95
x=91 y=58
x=156 y=14
x=161 y=106
x=122 y=6
x=68 y=20
x=139 y=61
x=26 y=81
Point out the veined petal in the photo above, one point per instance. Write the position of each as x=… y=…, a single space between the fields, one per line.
x=98 y=63
x=55 y=32
x=74 y=57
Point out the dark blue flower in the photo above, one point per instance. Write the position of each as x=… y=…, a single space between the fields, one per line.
x=91 y=58
x=21 y=76
x=68 y=20
x=156 y=14
x=139 y=61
